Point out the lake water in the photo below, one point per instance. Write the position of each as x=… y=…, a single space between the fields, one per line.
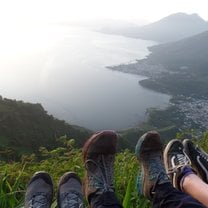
x=64 y=69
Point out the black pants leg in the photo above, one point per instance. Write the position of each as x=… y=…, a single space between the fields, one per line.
x=165 y=197
x=168 y=197
x=106 y=200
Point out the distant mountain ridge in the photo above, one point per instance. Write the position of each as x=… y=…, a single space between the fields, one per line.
x=187 y=65
x=171 y=28
x=190 y=53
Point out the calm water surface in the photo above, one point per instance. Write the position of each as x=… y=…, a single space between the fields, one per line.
x=65 y=70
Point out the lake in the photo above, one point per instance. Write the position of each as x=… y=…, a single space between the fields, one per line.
x=64 y=69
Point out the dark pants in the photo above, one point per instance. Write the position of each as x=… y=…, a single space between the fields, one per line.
x=106 y=200
x=165 y=197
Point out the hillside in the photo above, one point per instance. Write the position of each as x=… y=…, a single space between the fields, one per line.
x=171 y=28
x=174 y=27
x=186 y=64
x=191 y=52
x=24 y=127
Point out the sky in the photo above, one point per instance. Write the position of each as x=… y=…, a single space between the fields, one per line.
x=20 y=12
x=21 y=19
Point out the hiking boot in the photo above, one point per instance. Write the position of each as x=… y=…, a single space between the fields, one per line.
x=149 y=151
x=70 y=191
x=199 y=159
x=175 y=160
x=39 y=192
x=99 y=155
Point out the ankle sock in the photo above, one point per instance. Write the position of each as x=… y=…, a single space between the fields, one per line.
x=185 y=172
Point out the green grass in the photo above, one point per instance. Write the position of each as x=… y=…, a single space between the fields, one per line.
x=14 y=176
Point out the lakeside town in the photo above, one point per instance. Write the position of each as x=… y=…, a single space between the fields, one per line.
x=141 y=67
x=195 y=112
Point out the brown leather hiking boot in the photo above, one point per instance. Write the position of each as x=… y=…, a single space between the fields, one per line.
x=99 y=155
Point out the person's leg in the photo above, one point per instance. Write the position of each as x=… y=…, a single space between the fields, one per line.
x=99 y=155
x=70 y=191
x=154 y=182
x=39 y=191
x=183 y=177
x=194 y=186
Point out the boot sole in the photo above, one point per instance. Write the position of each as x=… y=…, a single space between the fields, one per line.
x=106 y=145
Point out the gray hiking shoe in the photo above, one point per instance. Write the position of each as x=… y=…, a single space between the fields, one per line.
x=149 y=152
x=39 y=192
x=70 y=191
x=99 y=155
x=199 y=159
x=175 y=160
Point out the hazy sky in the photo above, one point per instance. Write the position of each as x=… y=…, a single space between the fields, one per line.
x=21 y=20
x=36 y=11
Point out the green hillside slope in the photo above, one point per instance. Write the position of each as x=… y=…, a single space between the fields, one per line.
x=24 y=127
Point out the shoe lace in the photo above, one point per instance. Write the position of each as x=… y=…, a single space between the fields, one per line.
x=102 y=179
x=178 y=161
x=39 y=200
x=71 y=199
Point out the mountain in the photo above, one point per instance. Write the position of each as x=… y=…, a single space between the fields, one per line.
x=24 y=127
x=171 y=28
x=186 y=65
x=189 y=53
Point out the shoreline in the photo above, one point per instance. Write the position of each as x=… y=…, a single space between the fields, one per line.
x=183 y=107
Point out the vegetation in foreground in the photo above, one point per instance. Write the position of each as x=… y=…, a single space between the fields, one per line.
x=14 y=176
